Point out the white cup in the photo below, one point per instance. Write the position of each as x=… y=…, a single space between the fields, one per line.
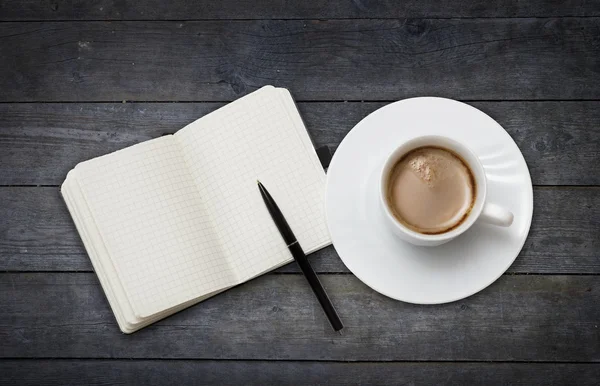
x=482 y=210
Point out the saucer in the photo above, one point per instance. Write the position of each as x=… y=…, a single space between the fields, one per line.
x=395 y=268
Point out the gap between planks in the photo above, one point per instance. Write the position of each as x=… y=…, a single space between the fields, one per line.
x=92 y=359
x=301 y=101
x=302 y=18
x=320 y=273
x=535 y=186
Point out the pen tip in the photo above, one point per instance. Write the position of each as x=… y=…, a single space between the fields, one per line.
x=340 y=332
x=257 y=182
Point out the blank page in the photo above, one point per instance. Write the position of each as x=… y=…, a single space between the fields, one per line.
x=259 y=136
x=154 y=225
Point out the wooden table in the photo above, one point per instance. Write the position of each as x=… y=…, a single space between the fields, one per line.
x=80 y=79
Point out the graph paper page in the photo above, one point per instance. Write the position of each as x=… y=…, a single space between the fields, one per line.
x=154 y=225
x=258 y=137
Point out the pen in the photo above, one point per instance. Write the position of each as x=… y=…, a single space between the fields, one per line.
x=300 y=257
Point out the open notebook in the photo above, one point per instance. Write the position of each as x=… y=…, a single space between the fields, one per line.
x=172 y=221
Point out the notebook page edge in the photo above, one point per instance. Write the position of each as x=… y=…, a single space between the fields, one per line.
x=125 y=325
x=68 y=193
x=171 y=311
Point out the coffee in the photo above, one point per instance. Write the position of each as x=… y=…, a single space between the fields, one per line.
x=431 y=190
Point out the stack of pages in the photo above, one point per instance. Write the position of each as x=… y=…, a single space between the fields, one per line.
x=172 y=221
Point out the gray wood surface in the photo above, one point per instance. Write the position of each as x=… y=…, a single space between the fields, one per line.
x=65 y=68
x=274 y=9
x=39 y=143
x=37 y=234
x=518 y=318
x=485 y=59
x=260 y=373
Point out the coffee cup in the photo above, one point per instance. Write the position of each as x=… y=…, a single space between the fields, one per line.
x=478 y=210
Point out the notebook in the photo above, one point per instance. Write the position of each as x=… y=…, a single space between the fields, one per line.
x=175 y=220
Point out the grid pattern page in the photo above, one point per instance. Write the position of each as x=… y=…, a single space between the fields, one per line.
x=154 y=226
x=228 y=150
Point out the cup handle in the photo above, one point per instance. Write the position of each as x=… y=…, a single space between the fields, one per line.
x=496 y=215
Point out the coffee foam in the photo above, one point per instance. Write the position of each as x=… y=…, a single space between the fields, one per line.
x=429 y=167
x=431 y=190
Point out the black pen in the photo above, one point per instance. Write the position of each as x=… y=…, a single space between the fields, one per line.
x=300 y=257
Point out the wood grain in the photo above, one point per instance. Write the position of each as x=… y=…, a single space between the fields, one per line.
x=39 y=143
x=62 y=372
x=276 y=317
x=273 y=9
x=534 y=66
x=37 y=234
x=476 y=59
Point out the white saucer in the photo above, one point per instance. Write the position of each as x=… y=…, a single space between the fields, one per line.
x=425 y=275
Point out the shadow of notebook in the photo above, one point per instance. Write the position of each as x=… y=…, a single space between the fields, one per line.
x=172 y=221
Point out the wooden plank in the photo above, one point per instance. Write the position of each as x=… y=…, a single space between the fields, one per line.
x=273 y=9
x=39 y=143
x=513 y=59
x=208 y=372
x=276 y=317
x=37 y=234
